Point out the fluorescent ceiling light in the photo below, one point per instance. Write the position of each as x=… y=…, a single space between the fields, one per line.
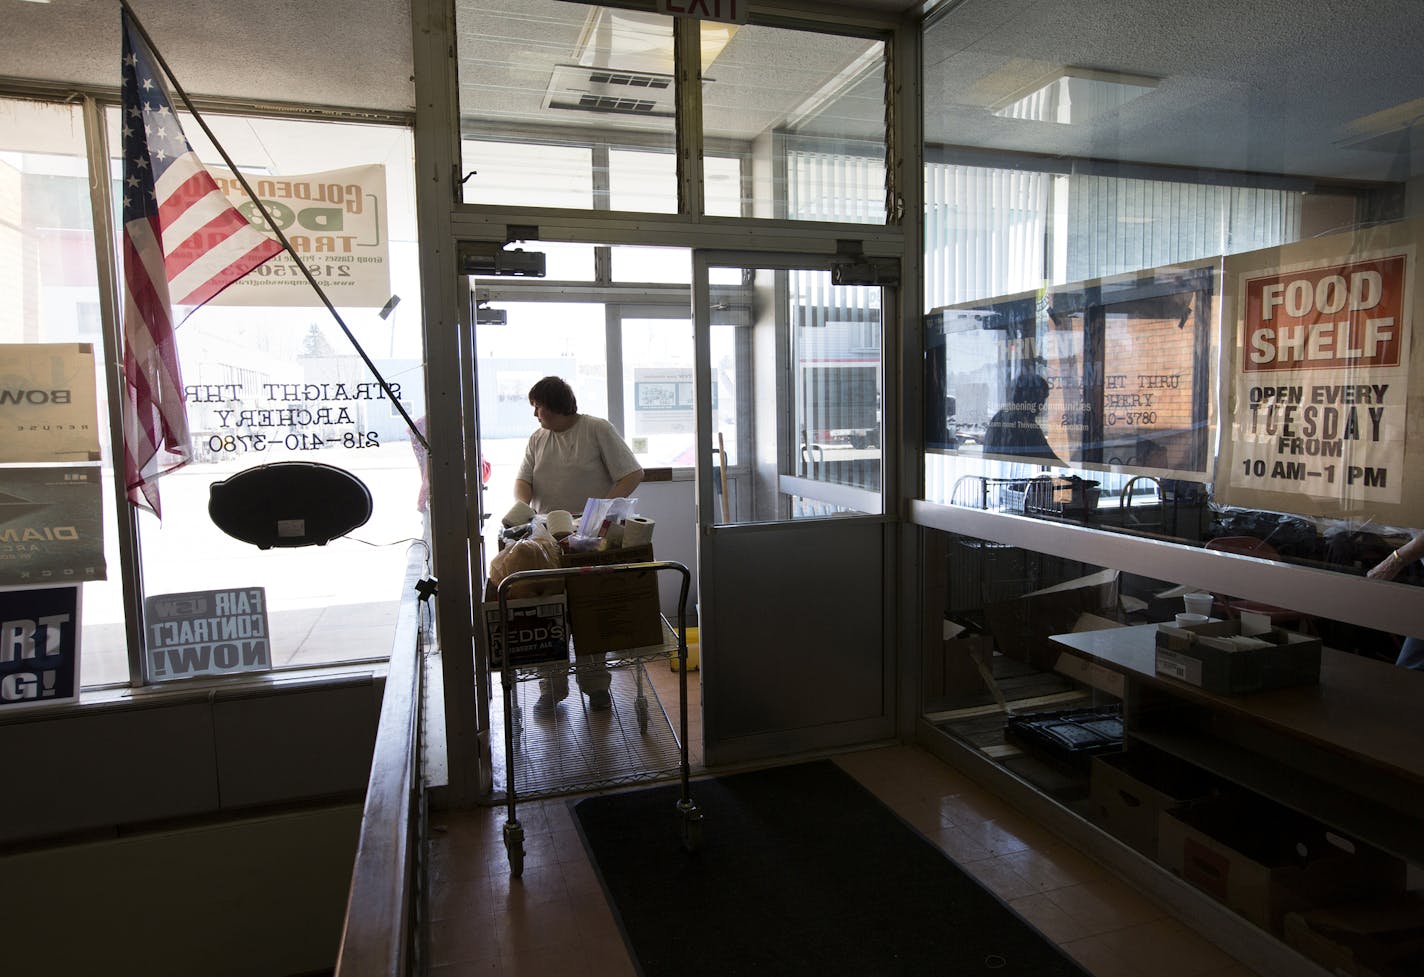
x=1075 y=95
x=630 y=40
x=1391 y=130
x=1405 y=115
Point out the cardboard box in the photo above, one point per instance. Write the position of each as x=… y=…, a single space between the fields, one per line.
x=1375 y=938
x=1265 y=861
x=538 y=631
x=613 y=611
x=1199 y=655
x=1129 y=791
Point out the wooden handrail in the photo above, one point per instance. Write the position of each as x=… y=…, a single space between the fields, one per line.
x=376 y=936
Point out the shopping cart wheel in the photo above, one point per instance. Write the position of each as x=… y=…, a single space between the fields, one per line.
x=514 y=847
x=690 y=824
x=642 y=709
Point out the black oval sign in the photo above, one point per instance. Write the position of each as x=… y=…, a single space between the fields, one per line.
x=289 y=503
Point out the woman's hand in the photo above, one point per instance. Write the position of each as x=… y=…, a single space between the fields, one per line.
x=1386 y=569
x=1389 y=567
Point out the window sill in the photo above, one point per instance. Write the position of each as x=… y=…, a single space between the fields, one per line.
x=117 y=698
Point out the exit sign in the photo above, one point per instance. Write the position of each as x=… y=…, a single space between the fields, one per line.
x=729 y=11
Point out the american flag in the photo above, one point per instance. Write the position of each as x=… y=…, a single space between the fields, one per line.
x=183 y=243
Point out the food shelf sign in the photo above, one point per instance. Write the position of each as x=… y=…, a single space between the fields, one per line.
x=727 y=11
x=1322 y=379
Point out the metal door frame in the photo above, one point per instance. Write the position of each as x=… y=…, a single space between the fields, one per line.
x=855 y=729
x=618 y=305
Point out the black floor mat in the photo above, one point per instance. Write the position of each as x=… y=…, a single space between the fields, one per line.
x=801 y=871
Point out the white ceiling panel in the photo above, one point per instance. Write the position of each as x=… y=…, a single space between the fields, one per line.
x=1321 y=88
x=1267 y=86
x=353 y=53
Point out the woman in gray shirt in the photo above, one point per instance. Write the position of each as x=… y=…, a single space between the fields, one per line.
x=572 y=458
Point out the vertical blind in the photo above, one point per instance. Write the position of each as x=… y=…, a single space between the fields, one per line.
x=992 y=231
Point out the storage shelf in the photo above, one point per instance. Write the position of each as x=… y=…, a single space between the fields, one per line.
x=1349 y=813
x=573 y=748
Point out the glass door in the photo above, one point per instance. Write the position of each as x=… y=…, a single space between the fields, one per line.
x=792 y=533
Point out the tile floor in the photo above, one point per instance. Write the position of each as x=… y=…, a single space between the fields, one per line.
x=554 y=921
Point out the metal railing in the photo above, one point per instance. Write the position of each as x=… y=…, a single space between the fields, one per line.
x=383 y=909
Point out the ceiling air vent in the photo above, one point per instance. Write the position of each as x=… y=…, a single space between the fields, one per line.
x=602 y=103
x=583 y=89
x=629 y=78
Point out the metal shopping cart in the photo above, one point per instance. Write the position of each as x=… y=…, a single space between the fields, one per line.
x=514 y=670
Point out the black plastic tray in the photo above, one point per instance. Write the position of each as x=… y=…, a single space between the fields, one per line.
x=1071 y=737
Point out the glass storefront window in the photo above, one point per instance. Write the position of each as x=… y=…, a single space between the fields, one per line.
x=642 y=181
x=271 y=377
x=658 y=390
x=1132 y=292
x=806 y=355
x=574 y=105
x=528 y=174
x=1042 y=652
x=659 y=407
x=565 y=78
x=564 y=262
x=666 y=265
x=57 y=520
x=836 y=350
x=1173 y=297
x=563 y=339
x=809 y=110
x=723 y=186
x=650 y=328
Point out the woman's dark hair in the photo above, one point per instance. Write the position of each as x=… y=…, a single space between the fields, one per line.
x=556 y=395
x=1029 y=388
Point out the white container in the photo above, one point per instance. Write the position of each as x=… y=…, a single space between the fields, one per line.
x=1198 y=603
x=518 y=515
x=560 y=523
x=1187 y=620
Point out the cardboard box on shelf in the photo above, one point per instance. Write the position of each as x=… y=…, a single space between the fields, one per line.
x=1265 y=861
x=1374 y=938
x=538 y=631
x=1128 y=791
x=1205 y=655
x=613 y=611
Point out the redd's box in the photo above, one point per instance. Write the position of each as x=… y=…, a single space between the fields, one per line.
x=538 y=631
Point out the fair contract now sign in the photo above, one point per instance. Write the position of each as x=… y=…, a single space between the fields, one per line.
x=205 y=633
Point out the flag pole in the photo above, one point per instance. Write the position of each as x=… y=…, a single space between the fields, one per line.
x=282 y=238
